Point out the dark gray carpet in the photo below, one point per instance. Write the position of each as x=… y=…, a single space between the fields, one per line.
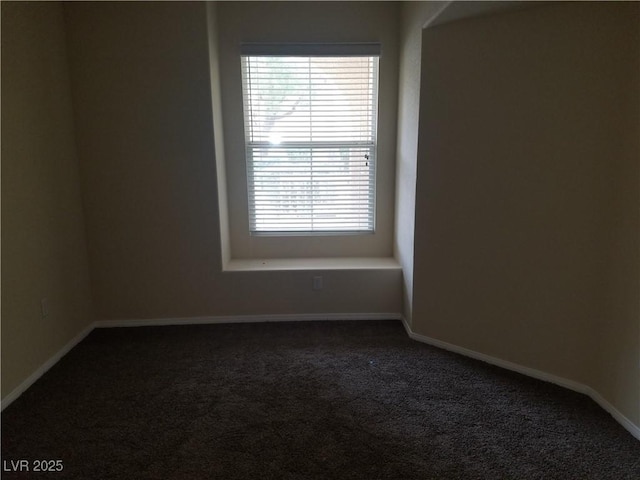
x=343 y=400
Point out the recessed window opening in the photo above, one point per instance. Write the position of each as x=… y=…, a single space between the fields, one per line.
x=310 y=118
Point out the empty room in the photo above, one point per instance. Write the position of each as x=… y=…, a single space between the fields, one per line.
x=320 y=240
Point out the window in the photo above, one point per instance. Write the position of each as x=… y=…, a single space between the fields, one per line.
x=310 y=115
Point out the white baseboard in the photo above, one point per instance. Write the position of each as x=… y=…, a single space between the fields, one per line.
x=20 y=389
x=615 y=413
x=531 y=372
x=289 y=317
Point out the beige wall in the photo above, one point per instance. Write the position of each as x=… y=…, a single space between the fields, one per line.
x=307 y=22
x=43 y=240
x=142 y=94
x=618 y=332
x=216 y=109
x=526 y=204
x=414 y=15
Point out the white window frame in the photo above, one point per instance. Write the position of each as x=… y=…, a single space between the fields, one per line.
x=367 y=148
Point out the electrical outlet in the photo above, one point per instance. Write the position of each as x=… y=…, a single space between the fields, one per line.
x=44 y=307
x=317 y=283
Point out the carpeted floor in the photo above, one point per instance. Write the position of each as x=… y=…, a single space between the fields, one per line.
x=308 y=400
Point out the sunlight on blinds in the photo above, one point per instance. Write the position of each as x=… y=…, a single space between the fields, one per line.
x=310 y=126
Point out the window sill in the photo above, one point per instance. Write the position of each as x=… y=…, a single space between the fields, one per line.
x=284 y=264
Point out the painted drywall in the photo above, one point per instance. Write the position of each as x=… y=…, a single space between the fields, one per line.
x=414 y=15
x=308 y=22
x=218 y=122
x=143 y=100
x=521 y=144
x=618 y=332
x=43 y=241
x=458 y=10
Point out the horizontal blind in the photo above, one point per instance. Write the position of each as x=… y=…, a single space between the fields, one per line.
x=311 y=49
x=310 y=126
